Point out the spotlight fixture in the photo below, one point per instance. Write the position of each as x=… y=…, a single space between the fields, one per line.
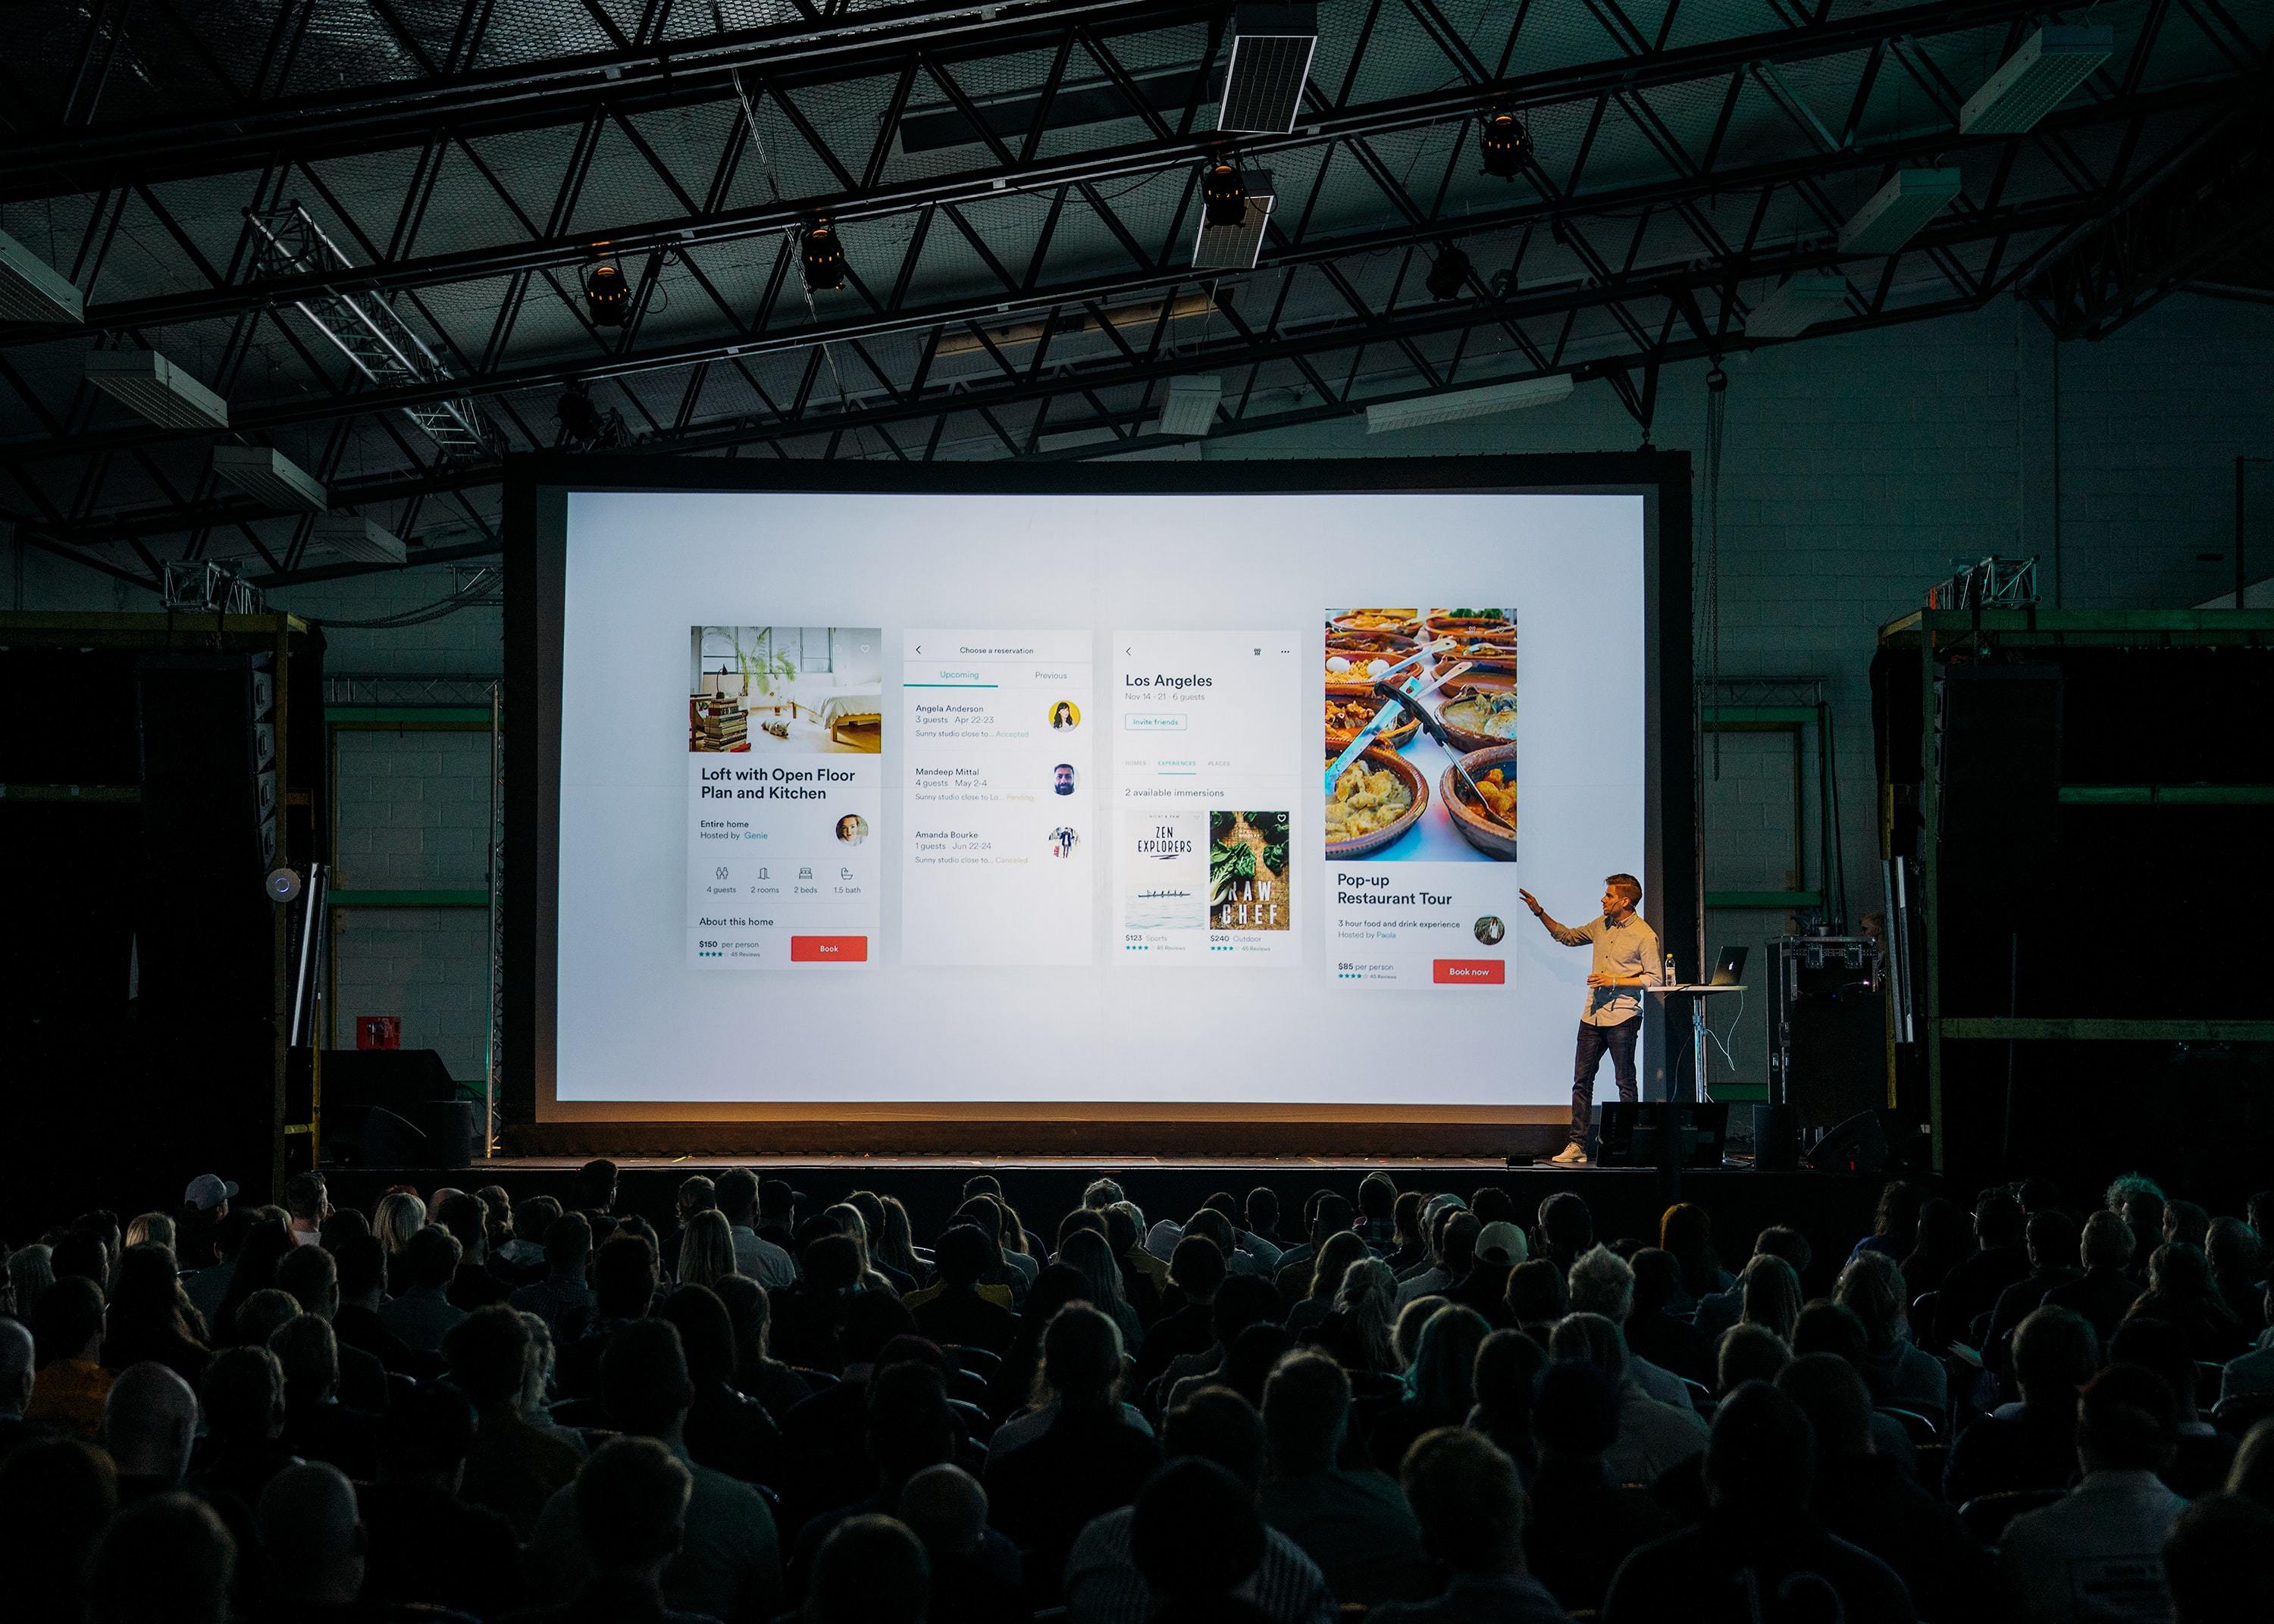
x=2037 y=79
x=1455 y=405
x=1223 y=194
x=1505 y=145
x=821 y=255
x=1449 y=274
x=607 y=294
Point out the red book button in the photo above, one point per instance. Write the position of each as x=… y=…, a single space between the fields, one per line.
x=1469 y=972
x=827 y=950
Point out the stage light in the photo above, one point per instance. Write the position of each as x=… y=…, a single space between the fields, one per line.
x=1449 y=274
x=1269 y=63
x=607 y=295
x=821 y=257
x=1223 y=194
x=1799 y=305
x=1457 y=404
x=268 y=475
x=2037 y=79
x=1189 y=410
x=156 y=388
x=352 y=535
x=31 y=290
x=1899 y=211
x=1505 y=145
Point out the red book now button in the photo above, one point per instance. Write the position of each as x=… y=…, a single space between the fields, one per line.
x=1469 y=972
x=817 y=949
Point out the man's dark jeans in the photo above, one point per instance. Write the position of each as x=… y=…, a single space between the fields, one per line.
x=1593 y=1040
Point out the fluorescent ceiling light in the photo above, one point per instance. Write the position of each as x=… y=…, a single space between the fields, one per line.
x=1452 y=407
x=1808 y=299
x=2037 y=79
x=268 y=476
x=352 y=535
x=31 y=290
x=1190 y=408
x=1898 y=211
x=154 y=388
x=1271 y=49
x=1237 y=248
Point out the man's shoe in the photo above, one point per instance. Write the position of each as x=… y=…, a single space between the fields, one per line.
x=1570 y=1155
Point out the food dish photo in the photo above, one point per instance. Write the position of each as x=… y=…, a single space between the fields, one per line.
x=1432 y=778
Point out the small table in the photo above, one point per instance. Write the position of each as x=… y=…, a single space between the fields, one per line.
x=1696 y=994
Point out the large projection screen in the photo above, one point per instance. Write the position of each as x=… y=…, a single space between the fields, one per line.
x=969 y=795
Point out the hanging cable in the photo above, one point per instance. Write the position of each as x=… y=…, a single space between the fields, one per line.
x=477 y=591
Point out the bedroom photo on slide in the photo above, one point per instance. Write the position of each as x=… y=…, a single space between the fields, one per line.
x=792 y=690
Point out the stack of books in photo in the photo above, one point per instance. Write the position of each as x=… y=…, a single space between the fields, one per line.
x=720 y=727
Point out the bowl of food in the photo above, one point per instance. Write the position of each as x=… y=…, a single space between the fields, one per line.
x=1400 y=620
x=1374 y=801
x=1468 y=623
x=1492 y=649
x=1476 y=717
x=1358 y=667
x=1494 y=771
x=1350 y=707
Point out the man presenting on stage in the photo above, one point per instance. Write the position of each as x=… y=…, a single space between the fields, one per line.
x=1627 y=960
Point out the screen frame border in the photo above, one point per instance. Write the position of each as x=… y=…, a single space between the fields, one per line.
x=536 y=489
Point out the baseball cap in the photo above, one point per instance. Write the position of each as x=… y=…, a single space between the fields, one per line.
x=208 y=1190
x=1501 y=1243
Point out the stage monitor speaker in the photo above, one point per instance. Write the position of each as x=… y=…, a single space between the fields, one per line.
x=448 y=1125
x=1776 y=1140
x=1662 y=1133
x=395 y=1078
x=388 y=1141
x=1858 y=1145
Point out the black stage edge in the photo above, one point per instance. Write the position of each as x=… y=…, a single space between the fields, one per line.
x=1832 y=1210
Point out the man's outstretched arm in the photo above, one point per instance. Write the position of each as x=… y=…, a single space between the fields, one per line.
x=1562 y=933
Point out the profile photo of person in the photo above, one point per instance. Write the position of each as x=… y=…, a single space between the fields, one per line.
x=1062 y=778
x=1063 y=841
x=852 y=829
x=1065 y=714
x=1489 y=929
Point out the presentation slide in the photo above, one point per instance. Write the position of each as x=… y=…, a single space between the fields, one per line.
x=891 y=800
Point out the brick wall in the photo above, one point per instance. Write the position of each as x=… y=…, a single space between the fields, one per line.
x=1857 y=468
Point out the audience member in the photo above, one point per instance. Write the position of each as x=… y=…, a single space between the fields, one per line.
x=976 y=1574
x=560 y=1297
x=1089 y=1462
x=56 y=1496
x=1899 y=1374
x=424 y=1544
x=2105 y=1291
x=1203 y=1504
x=312 y=1279
x=1470 y=1507
x=961 y=1310
x=729 y=1564
x=1749 y=1353
x=1685 y=1233
x=2201 y=1454
x=755 y=1256
x=1759 y=1539
x=1871 y=1501
x=2051 y=1241
x=1583 y=1522
x=1440 y=1384
x=2215 y=1562
x=2098 y=1551
x=1354 y=1524
x=2180 y=1291
x=424 y=1314
x=513 y=1467
x=70 y=1383
x=1657 y=1327
x=1718 y=1311
x=149 y=1318
x=1603 y=1283
x=1652 y=1437
x=1508 y=1367
x=149 y=1424
x=167 y=1559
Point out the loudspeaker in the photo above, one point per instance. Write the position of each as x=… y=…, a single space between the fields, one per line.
x=1858 y=1145
x=388 y=1141
x=1776 y=1142
x=448 y=1125
x=1660 y=1133
x=1838 y=1064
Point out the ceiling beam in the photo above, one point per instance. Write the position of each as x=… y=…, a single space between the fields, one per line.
x=1713 y=59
